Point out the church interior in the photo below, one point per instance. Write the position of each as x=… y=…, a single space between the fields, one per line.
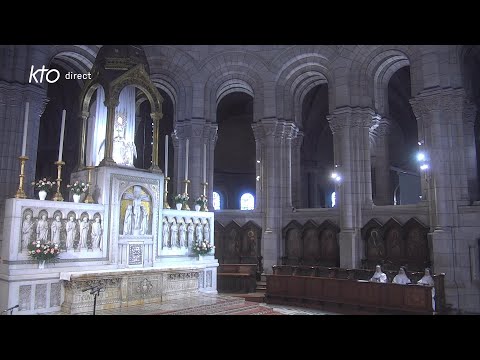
x=239 y=179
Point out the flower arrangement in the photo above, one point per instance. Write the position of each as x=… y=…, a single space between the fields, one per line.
x=202 y=201
x=78 y=188
x=202 y=247
x=43 y=185
x=47 y=252
x=181 y=199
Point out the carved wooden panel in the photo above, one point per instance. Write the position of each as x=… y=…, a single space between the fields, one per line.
x=311 y=244
x=218 y=233
x=393 y=245
x=238 y=244
x=374 y=246
x=329 y=247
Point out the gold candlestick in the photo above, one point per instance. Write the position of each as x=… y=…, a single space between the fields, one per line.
x=89 y=198
x=58 y=195
x=204 y=206
x=165 y=193
x=20 y=192
x=185 y=205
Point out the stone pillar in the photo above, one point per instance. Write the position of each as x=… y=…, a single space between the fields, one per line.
x=383 y=189
x=369 y=121
x=13 y=97
x=174 y=178
x=210 y=138
x=290 y=133
x=273 y=133
x=156 y=117
x=195 y=161
x=440 y=115
x=296 y=144
x=108 y=157
x=469 y=117
x=350 y=128
x=340 y=125
x=259 y=134
x=180 y=134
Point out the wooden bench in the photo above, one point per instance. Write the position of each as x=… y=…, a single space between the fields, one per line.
x=239 y=278
x=357 y=278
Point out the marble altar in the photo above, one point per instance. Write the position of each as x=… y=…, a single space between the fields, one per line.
x=126 y=241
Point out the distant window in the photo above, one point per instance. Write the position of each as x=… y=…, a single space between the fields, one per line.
x=334 y=199
x=216 y=201
x=247 y=202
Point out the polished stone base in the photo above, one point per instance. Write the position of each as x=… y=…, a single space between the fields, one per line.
x=124 y=288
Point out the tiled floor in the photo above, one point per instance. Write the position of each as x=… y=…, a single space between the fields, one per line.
x=208 y=304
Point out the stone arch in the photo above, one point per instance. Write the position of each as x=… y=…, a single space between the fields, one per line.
x=179 y=88
x=299 y=70
x=233 y=71
x=372 y=71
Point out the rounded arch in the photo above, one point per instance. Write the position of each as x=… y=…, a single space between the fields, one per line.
x=231 y=86
x=299 y=73
x=178 y=86
x=239 y=71
x=373 y=71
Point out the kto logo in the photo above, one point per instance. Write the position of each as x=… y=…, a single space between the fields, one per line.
x=51 y=78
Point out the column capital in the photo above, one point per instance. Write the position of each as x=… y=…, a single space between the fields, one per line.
x=156 y=116
x=111 y=103
x=438 y=99
x=210 y=133
x=351 y=117
x=269 y=127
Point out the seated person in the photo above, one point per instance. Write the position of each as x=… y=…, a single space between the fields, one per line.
x=401 y=278
x=379 y=276
x=428 y=280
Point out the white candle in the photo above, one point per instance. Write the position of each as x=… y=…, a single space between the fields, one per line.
x=186 y=160
x=204 y=163
x=25 y=128
x=62 y=131
x=166 y=155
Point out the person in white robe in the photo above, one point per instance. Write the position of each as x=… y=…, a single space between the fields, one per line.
x=401 y=278
x=379 y=276
x=427 y=280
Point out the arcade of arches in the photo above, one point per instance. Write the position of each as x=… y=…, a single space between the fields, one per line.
x=397 y=125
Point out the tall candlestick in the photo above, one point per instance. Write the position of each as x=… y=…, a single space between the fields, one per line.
x=62 y=131
x=186 y=161
x=204 y=163
x=166 y=155
x=25 y=128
